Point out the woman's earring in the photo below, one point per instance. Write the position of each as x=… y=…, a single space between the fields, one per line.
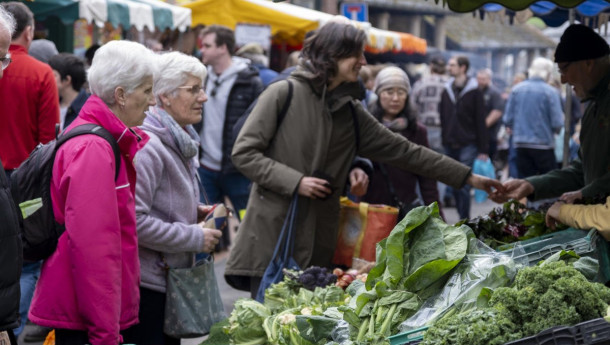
x=168 y=104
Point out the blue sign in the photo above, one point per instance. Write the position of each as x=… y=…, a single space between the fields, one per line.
x=355 y=11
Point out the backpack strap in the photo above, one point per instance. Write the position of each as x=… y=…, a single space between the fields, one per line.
x=356 y=126
x=284 y=110
x=91 y=128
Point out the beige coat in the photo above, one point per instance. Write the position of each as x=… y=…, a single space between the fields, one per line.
x=317 y=133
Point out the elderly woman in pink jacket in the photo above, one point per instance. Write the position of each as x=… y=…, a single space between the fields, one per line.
x=89 y=287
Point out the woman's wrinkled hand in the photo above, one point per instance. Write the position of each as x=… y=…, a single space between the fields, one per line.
x=313 y=187
x=211 y=237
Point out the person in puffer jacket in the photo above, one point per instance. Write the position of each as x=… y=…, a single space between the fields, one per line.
x=88 y=289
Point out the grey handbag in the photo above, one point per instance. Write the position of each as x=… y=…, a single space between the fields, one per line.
x=193 y=302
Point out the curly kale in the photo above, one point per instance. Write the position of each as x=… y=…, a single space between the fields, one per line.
x=478 y=327
x=553 y=294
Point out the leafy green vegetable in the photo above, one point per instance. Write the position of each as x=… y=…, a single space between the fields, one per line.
x=246 y=323
x=551 y=294
x=315 y=328
x=420 y=250
x=510 y=223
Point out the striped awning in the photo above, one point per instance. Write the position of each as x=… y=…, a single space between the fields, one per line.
x=153 y=14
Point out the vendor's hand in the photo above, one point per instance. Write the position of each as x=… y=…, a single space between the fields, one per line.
x=313 y=187
x=210 y=239
x=202 y=212
x=359 y=182
x=552 y=214
x=484 y=183
x=571 y=197
x=513 y=189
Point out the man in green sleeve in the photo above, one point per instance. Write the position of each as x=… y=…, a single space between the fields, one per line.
x=582 y=57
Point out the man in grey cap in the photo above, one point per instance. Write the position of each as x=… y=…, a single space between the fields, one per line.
x=582 y=57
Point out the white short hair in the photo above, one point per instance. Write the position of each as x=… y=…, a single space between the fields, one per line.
x=173 y=69
x=7 y=21
x=541 y=68
x=120 y=64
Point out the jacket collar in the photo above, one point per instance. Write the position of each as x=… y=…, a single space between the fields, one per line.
x=130 y=140
x=336 y=98
x=602 y=87
x=471 y=84
x=17 y=49
x=79 y=101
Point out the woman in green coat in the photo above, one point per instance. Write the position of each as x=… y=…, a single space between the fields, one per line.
x=324 y=128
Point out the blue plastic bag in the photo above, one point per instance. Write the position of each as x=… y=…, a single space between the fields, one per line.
x=484 y=168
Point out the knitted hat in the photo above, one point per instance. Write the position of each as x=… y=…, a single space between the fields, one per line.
x=580 y=42
x=42 y=50
x=391 y=77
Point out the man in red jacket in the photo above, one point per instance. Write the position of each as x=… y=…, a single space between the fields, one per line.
x=28 y=94
x=30 y=111
x=10 y=242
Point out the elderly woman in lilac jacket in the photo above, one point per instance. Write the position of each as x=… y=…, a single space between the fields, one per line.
x=167 y=191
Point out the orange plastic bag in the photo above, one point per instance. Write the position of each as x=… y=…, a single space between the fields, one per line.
x=361 y=226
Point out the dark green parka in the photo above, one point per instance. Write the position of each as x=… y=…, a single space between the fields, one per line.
x=317 y=133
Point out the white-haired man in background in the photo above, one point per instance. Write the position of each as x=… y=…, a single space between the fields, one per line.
x=534 y=114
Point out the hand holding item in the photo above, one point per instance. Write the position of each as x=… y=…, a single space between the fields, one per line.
x=359 y=182
x=513 y=189
x=315 y=188
x=203 y=211
x=571 y=197
x=210 y=239
x=552 y=214
x=485 y=183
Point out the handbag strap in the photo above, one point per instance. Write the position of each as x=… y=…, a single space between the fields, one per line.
x=391 y=189
x=167 y=267
x=286 y=235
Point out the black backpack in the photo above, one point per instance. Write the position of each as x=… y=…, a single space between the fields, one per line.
x=31 y=190
x=242 y=119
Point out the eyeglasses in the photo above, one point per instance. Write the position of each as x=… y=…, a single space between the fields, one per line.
x=6 y=60
x=563 y=69
x=195 y=89
x=395 y=92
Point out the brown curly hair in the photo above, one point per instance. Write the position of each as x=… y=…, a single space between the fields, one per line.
x=332 y=42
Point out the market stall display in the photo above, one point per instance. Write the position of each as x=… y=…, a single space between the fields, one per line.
x=439 y=281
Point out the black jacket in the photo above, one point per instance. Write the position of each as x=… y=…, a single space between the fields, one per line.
x=245 y=90
x=11 y=257
x=463 y=117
